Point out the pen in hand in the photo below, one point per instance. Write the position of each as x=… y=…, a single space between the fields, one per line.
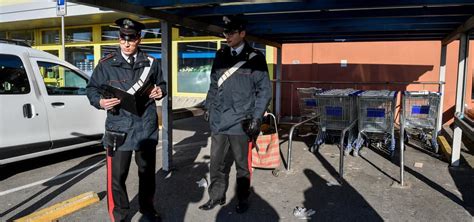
x=156 y=93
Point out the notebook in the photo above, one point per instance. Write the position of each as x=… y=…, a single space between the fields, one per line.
x=133 y=103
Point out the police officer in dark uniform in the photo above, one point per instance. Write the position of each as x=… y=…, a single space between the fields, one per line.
x=128 y=68
x=233 y=97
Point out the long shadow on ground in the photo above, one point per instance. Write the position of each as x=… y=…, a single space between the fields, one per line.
x=177 y=189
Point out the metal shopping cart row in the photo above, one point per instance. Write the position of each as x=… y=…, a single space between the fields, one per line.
x=367 y=118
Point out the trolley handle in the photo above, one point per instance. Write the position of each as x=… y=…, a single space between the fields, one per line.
x=356 y=93
x=274 y=120
x=420 y=93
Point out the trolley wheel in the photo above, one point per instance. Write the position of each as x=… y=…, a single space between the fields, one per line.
x=276 y=172
x=315 y=147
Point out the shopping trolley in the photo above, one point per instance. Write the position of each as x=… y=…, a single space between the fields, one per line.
x=309 y=107
x=376 y=120
x=307 y=102
x=338 y=111
x=420 y=116
x=310 y=115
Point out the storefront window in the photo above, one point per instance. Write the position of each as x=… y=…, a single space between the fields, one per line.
x=152 y=50
x=81 y=57
x=107 y=49
x=50 y=37
x=152 y=31
x=26 y=36
x=109 y=33
x=194 y=66
x=3 y=35
x=53 y=52
x=79 y=35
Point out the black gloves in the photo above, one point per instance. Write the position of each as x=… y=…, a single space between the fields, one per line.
x=252 y=127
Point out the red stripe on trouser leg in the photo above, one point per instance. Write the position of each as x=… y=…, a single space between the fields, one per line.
x=249 y=159
x=110 y=197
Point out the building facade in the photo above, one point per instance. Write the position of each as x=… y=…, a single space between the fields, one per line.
x=90 y=34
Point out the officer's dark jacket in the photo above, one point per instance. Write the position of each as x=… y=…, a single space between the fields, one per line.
x=246 y=94
x=142 y=132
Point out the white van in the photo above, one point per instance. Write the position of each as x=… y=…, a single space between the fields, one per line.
x=43 y=105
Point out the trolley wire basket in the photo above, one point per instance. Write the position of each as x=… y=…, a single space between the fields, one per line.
x=338 y=111
x=307 y=102
x=421 y=109
x=376 y=113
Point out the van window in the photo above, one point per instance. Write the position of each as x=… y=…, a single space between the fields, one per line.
x=60 y=80
x=13 y=77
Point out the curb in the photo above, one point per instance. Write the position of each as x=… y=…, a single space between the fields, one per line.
x=61 y=209
x=445 y=147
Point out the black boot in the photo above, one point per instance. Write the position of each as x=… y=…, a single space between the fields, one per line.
x=149 y=216
x=242 y=206
x=211 y=204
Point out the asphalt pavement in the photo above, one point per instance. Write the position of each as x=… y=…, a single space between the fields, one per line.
x=368 y=192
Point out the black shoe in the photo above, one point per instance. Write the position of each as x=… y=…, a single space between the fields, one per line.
x=211 y=204
x=149 y=216
x=242 y=206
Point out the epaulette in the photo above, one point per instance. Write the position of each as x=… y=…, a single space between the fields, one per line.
x=108 y=56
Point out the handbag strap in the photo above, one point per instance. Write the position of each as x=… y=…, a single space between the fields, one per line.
x=228 y=73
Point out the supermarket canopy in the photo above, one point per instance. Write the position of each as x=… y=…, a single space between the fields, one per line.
x=290 y=21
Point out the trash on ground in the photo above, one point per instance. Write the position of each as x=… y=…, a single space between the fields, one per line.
x=202 y=183
x=303 y=213
x=329 y=184
x=418 y=165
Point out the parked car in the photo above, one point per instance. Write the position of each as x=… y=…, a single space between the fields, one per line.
x=44 y=108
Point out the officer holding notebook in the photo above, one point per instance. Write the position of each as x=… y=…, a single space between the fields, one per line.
x=129 y=69
x=240 y=91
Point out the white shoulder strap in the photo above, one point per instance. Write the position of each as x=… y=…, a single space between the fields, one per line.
x=228 y=73
x=143 y=77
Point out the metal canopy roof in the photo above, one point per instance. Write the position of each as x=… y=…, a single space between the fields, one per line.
x=277 y=22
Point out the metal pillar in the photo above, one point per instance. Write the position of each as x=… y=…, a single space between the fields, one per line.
x=442 y=80
x=460 y=96
x=278 y=84
x=402 y=142
x=167 y=122
x=63 y=37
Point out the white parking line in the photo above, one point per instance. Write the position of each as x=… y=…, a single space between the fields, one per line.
x=78 y=172
x=83 y=170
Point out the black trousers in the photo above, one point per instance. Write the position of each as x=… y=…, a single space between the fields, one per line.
x=225 y=149
x=118 y=164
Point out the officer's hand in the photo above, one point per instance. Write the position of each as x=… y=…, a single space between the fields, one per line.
x=108 y=104
x=254 y=128
x=156 y=93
